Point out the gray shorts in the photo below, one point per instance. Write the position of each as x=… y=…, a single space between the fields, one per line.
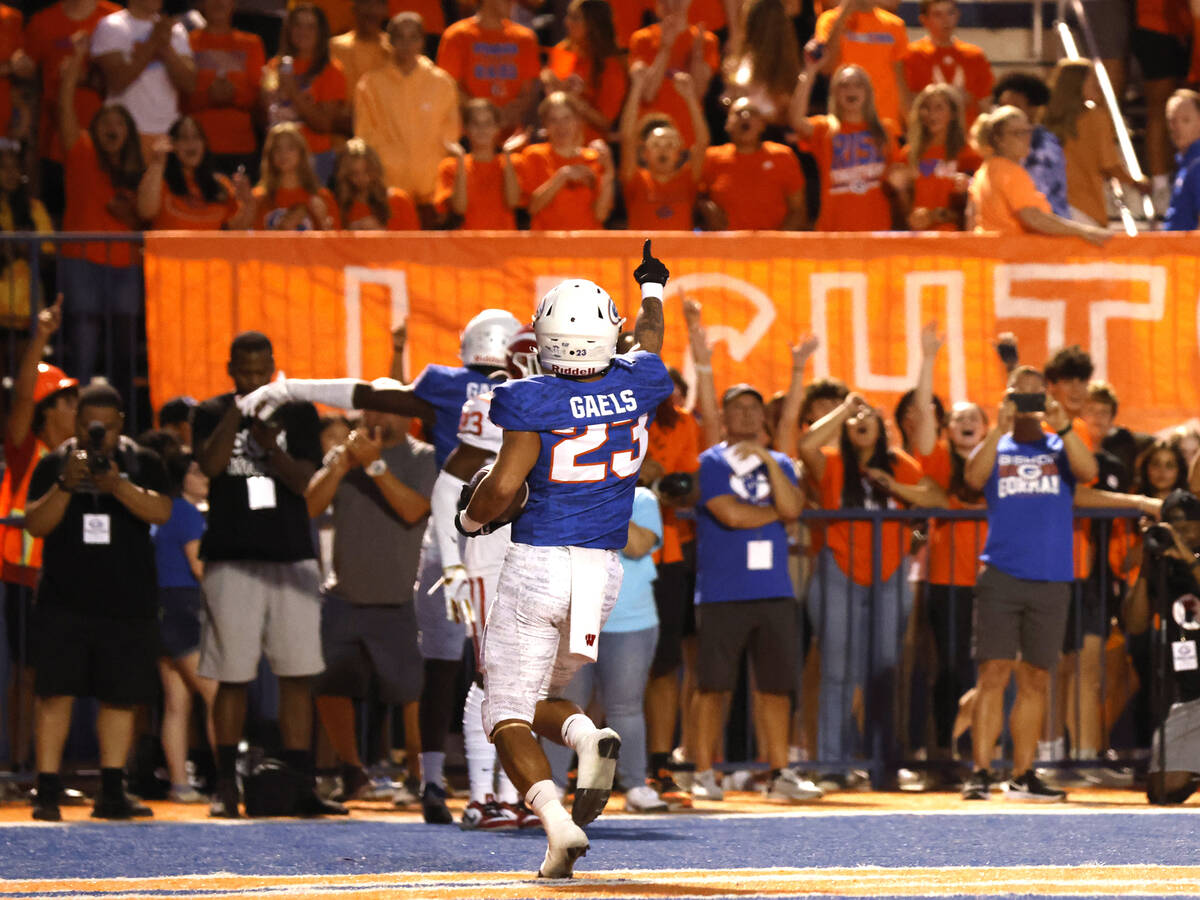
x=438 y=637
x=1018 y=617
x=363 y=644
x=253 y=608
x=1183 y=740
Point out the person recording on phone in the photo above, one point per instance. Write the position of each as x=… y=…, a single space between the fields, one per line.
x=1166 y=597
x=93 y=501
x=1028 y=477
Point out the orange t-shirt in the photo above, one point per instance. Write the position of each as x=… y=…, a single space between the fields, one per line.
x=193 y=212
x=709 y=13
x=271 y=209
x=644 y=47
x=572 y=207
x=957 y=564
x=1089 y=154
x=430 y=11
x=239 y=56
x=961 y=65
x=486 y=209
x=628 y=16
x=999 y=189
x=90 y=200
x=934 y=183
x=493 y=64
x=840 y=535
x=329 y=85
x=661 y=206
x=752 y=188
x=606 y=97
x=12 y=39
x=1165 y=16
x=875 y=40
x=48 y=43
x=852 y=167
x=22 y=552
x=402 y=212
x=677 y=449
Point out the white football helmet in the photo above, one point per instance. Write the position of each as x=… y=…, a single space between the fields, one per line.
x=485 y=339
x=576 y=324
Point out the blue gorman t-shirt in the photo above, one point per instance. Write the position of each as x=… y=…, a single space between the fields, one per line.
x=739 y=563
x=594 y=439
x=186 y=524
x=635 y=609
x=1030 y=501
x=446 y=389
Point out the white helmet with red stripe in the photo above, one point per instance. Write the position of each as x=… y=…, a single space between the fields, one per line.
x=522 y=356
x=486 y=337
x=576 y=325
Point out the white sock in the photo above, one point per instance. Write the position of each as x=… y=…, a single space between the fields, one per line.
x=432 y=765
x=543 y=800
x=576 y=728
x=481 y=755
x=506 y=791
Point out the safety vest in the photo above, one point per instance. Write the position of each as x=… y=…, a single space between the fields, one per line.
x=21 y=551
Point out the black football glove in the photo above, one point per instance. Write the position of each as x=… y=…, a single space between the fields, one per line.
x=464 y=498
x=651 y=269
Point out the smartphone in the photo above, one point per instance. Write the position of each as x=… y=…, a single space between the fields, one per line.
x=1029 y=403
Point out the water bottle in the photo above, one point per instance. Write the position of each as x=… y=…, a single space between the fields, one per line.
x=280 y=109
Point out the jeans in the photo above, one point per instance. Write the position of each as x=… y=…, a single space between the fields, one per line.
x=861 y=630
x=619 y=676
x=96 y=295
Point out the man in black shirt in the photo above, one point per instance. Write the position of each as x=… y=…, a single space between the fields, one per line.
x=93 y=500
x=1167 y=593
x=261 y=581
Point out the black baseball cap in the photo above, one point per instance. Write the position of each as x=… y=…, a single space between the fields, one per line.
x=735 y=391
x=1181 y=506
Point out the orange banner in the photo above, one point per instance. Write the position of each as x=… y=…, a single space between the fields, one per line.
x=329 y=303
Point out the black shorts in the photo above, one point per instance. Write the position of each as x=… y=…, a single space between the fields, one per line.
x=18 y=621
x=179 y=626
x=1160 y=55
x=766 y=627
x=1087 y=614
x=1015 y=616
x=80 y=655
x=365 y=643
x=675 y=597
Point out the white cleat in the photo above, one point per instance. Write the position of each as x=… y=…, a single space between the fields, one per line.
x=565 y=843
x=597 y=754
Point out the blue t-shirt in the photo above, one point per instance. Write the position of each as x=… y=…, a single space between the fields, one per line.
x=739 y=563
x=594 y=439
x=1047 y=166
x=1184 y=212
x=1030 y=502
x=635 y=609
x=446 y=389
x=186 y=524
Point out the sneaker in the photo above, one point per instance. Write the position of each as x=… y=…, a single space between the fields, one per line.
x=672 y=794
x=644 y=798
x=313 y=804
x=705 y=787
x=597 y=754
x=738 y=780
x=45 y=809
x=1030 y=787
x=978 y=785
x=405 y=794
x=526 y=817
x=355 y=783
x=789 y=787
x=1112 y=776
x=186 y=794
x=433 y=806
x=224 y=803
x=854 y=780
x=488 y=816
x=121 y=806
x=565 y=843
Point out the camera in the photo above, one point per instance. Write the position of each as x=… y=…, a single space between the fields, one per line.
x=1029 y=403
x=97 y=457
x=1157 y=539
x=676 y=485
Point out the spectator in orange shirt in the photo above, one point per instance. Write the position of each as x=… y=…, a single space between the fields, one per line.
x=764 y=61
x=666 y=48
x=941 y=58
x=940 y=161
x=1003 y=198
x=338 y=13
x=495 y=59
x=628 y=17
x=751 y=183
x=855 y=151
x=182 y=190
x=228 y=71
x=862 y=33
x=364 y=201
x=364 y=48
x=15 y=66
x=660 y=192
x=304 y=85
x=288 y=196
x=101 y=281
x=587 y=65
x=433 y=20
x=480 y=189
x=568 y=186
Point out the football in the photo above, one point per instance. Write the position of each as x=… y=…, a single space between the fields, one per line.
x=514 y=508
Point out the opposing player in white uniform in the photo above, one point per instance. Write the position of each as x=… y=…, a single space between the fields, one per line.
x=576 y=438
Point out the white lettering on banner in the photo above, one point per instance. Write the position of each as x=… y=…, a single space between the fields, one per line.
x=355 y=277
x=1011 y=305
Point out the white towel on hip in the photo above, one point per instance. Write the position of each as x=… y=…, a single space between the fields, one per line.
x=589 y=575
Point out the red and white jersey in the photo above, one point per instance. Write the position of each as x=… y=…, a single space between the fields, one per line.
x=475 y=427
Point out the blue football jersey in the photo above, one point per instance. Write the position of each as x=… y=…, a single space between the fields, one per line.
x=594 y=439
x=446 y=389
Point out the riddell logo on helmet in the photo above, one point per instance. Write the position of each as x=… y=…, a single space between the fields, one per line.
x=561 y=369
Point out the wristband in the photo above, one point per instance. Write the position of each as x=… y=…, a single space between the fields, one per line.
x=1066 y=430
x=468 y=523
x=376 y=468
x=652 y=290
x=700 y=368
